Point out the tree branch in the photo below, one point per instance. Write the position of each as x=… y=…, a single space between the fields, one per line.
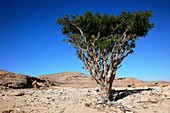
x=85 y=39
x=115 y=29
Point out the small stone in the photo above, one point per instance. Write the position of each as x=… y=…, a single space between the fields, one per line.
x=98 y=106
x=166 y=93
x=129 y=85
x=49 y=97
x=8 y=111
x=104 y=105
x=16 y=94
x=18 y=109
x=128 y=112
x=129 y=106
x=87 y=104
x=94 y=102
x=53 y=100
x=107 y=107
x=2 y=94
x=89 y=91
x=4 y=98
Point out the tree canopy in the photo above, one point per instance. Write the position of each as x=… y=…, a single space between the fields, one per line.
x=104 y=27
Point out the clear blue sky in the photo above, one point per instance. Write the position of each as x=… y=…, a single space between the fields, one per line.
x=31 y=42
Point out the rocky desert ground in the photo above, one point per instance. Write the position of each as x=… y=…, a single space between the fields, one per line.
x=72 y=92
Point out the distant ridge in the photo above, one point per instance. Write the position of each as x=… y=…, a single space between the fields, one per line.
x=70 y=79
x=67 y=79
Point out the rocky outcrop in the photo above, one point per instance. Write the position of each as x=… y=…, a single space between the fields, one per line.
x=16 y=81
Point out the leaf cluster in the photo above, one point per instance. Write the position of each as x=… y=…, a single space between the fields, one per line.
x=105 y=31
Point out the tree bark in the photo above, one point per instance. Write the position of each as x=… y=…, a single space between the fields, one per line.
x=104 y=93
x=105 y=88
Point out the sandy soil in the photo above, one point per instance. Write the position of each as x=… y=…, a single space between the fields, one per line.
x=83 y=100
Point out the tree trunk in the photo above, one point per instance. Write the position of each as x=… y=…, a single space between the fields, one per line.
x=105 y=89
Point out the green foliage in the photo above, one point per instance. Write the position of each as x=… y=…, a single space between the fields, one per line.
x=105 y=30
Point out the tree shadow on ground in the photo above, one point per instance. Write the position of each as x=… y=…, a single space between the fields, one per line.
x=120 y=94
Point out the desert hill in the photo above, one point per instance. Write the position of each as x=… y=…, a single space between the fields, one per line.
x=3 y=71
x=70 y=79
x=17 y=81
x=67 y=79
x=76 y=79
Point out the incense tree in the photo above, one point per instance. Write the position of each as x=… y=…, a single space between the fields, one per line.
x=103 y=41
